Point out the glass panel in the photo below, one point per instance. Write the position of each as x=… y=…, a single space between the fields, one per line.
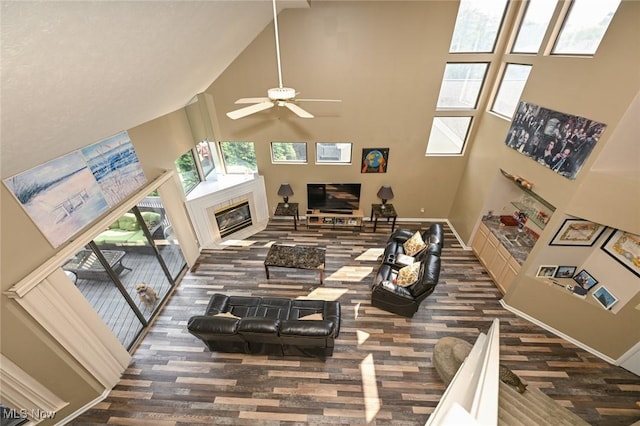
x=448 y=135
x=186 y=166
x=162 y=233
x=477 y=26
x=206 y=157
x=461 y=85
x=121 y=273
x=288 y=152
x=239 y=157
x=584 y=26
x=328 y=152
x=511 y=87
x=93 y=279
x=533 y=26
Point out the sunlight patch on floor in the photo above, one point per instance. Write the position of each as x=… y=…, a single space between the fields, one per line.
x=325 y=293
x=362 y=336
x=369 y=388
x=371 y=254
x=350 y=273
x=240 y=243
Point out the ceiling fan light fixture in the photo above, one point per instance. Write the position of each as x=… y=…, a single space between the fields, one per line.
x=281 y=93
x=278 y=96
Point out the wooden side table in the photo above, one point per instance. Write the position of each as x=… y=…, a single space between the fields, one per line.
x=388 y=212
x=291 y=209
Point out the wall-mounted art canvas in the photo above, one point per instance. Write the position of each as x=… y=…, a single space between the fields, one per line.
x=115 y=165
x=624 y=247
x=559 y=141
x=66 y=194
x=375 y=160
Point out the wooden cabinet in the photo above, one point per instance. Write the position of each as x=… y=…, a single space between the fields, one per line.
x=501 y=266
x=335 y=220
x=508 y=275
x=489 y=250
x=480 y=239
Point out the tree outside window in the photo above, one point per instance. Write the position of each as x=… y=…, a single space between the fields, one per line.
x=239 y=157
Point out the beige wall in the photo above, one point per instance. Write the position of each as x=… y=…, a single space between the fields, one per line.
x=603 y=89
x=385 y=61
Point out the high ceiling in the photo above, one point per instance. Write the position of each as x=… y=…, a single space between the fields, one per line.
x=75 y=72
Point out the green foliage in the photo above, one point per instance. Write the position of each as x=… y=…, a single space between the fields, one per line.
x=239 y=155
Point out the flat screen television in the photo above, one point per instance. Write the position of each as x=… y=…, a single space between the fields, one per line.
x=333 y=197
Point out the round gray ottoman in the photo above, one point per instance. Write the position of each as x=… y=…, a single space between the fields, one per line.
x=448 y=355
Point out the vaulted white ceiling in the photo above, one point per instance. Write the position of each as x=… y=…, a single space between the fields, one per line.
x=75 y=72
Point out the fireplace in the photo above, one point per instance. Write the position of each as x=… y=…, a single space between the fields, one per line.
x=233 y=218
x=211 y=199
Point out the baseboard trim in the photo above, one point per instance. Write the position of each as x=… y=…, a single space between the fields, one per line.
x=84 y=408
x=558 y=333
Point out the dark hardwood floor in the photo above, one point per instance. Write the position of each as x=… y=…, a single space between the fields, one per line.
x=381 y=371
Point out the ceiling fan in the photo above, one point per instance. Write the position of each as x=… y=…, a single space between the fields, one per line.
x=279 y=96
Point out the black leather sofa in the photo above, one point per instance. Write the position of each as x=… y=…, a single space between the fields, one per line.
x=268 y=326
x=405 y=301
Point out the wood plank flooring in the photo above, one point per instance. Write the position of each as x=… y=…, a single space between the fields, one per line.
x=381 y=371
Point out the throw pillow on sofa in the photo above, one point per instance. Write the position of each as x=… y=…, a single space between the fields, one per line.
x=408 y=275
x=414 y=244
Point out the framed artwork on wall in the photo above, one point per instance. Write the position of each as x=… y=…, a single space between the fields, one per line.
x=546 y=271
x=605 y=297
x=558 y=141
x=624 y=247
x=375 y=160
x=577 y=232
x=565 y=272
x=585 y=280
x=66 y=194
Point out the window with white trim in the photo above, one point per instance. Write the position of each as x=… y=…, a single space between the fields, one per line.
x=289 y=152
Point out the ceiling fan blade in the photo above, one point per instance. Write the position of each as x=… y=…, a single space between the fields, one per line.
x=251 y=100
x=297 y=110
x=251 y=109
x=318 y=100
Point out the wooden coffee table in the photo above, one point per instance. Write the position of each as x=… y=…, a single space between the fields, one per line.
x=296 y=257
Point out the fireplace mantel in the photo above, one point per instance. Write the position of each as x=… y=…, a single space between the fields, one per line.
x=209 y=197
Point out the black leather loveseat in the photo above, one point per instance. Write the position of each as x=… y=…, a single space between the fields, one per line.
x=268 y=325
x=405 y=300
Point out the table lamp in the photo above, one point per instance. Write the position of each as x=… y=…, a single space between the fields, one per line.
x=285 y=191
x=385 y=193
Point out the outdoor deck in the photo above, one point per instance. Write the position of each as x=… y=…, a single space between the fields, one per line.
x=105 y=297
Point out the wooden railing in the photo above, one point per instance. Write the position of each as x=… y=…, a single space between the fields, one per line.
x=472 y=396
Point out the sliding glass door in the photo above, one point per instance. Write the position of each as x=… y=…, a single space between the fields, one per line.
x=128 y=270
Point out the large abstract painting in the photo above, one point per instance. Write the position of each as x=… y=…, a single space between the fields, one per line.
x=64 y=195
x=555 y=140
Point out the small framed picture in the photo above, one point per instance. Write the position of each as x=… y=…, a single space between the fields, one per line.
x=577 y=232
x=585 y=280
x=565 y=271
x=546 y=271
x=605 y=297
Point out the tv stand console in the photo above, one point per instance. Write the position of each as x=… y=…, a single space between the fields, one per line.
x=335 y=220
